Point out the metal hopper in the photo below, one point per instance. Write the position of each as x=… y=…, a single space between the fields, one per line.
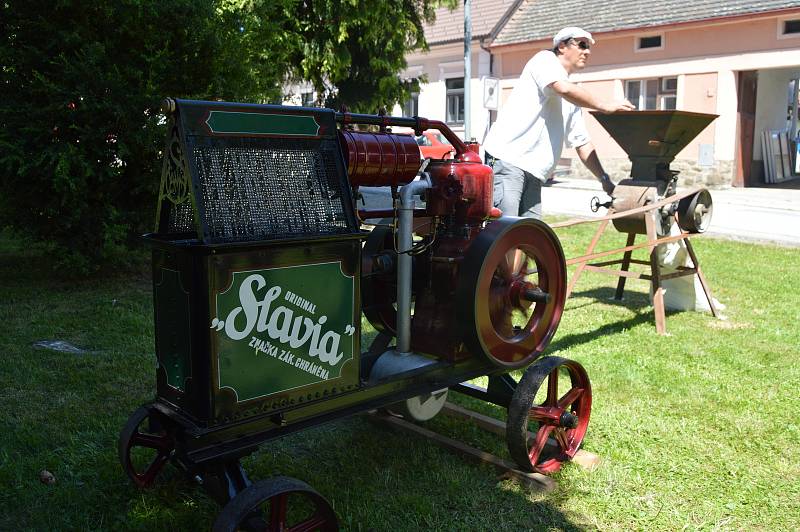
x=652 y=139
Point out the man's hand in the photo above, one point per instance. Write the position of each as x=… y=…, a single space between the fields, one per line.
x=613 y=107
x=607 y=184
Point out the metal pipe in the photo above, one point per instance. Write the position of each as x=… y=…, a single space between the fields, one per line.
x=370 y=214
x=467 y=69
x=405 y=229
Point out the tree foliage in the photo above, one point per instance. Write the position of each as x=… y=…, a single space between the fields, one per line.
x=81 y=83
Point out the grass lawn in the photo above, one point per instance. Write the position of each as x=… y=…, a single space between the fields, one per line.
x=695 y=430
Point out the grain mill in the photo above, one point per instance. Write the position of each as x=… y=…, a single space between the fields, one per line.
x=649 y=202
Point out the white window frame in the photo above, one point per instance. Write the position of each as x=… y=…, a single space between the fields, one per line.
x=447 y=102
x=781 y=22
x=414 y=98
x=661 y=94
x=637 y=42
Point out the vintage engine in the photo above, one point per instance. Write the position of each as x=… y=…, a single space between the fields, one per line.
x=262 y=270
x=652 y=139
x=478 y=289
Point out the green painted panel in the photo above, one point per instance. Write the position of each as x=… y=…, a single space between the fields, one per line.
x=232 y=122
x=172 y=328
x=278 y=329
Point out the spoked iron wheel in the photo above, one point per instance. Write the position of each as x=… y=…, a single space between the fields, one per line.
x=280 y=504
x=145 y=446
x=554 y=400
x=511 y=291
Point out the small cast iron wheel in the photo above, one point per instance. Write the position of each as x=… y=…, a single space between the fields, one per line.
x=145 y=446
x=511 y=290
x=558 y=420
x=280 y=504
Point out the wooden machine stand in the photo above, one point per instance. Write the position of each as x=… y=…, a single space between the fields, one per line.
x=585 y=261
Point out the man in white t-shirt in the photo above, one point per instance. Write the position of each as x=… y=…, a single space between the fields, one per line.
x=541 y=115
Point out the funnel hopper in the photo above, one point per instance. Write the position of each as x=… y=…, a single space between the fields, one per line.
x=652 y=139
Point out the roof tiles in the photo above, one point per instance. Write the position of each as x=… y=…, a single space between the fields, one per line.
x=537 y=19
x=449 y=25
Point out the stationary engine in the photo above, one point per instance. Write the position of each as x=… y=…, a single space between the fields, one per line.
x=493 y=289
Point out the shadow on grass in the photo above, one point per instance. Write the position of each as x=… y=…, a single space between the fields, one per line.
x=636 y=302
x=458 y=494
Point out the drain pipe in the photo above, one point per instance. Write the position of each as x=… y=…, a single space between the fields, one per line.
x=404 y=242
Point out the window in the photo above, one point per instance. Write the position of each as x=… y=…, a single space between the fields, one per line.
x=411 y=107
x=650 y=42
x=791 y=26
x=455 y=100
x=652 y=94
x=307 y=99
x=646 y=43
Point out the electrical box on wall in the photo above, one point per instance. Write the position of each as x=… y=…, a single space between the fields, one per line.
x=705 y=156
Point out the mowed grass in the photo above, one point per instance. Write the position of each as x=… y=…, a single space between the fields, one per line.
x=695 y=430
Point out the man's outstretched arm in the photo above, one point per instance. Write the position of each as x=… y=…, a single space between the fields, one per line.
x=583 y=98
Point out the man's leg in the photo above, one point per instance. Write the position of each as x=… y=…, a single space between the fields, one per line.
x=531 y=202
x=508 y=184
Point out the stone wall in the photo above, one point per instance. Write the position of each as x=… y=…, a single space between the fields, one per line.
x=719 y=175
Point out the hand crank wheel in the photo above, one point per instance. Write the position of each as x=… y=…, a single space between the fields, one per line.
x=145 y=446
x=558 y=419
x=511 y=290
x=277 y=504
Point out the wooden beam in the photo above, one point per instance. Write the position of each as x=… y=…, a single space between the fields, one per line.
x=583 y=458
x=507 y=469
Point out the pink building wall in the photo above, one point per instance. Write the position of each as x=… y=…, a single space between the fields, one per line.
x=703 y=56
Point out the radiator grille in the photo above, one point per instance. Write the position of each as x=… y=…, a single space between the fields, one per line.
x=261 y=189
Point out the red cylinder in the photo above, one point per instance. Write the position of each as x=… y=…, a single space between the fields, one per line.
x=465 y=186
x=379 y=159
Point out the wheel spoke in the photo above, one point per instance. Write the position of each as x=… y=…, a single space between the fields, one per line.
x=277 y=512
x=539 y=443
x=151 y=441
x=146 y=477
x=552 y=388
x=519 y=262
x=504 y=267
x=544 y=414
x=560 y=435
x=315 y=522
x=500 y=312
x=570 y=397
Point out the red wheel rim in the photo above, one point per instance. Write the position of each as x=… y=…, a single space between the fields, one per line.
x=576 y=401
x=134 y=436
x=277 y=504
x=560 y=410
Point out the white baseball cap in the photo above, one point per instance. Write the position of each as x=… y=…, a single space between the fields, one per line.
x=572 y=32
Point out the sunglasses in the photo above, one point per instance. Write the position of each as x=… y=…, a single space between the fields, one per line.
x=583 y=45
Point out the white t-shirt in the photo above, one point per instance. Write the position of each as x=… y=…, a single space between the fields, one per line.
x=529 y=131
